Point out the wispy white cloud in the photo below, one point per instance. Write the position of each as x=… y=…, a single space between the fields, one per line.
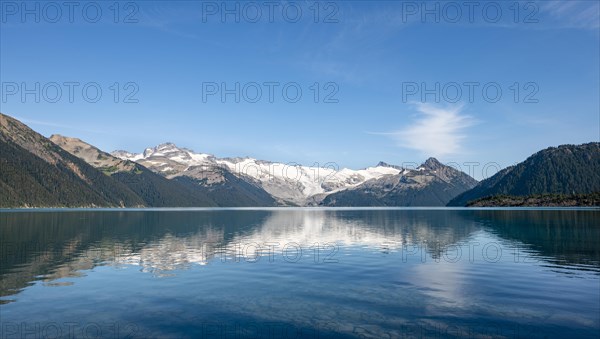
x=574 y=14
x=436 y=131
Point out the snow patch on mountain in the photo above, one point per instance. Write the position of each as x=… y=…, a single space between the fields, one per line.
x=289 y=183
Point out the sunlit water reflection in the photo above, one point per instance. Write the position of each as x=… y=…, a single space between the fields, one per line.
x=301 y=273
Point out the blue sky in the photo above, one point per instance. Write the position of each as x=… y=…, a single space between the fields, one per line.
x=371 y=61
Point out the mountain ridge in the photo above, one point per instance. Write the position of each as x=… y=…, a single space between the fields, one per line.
x=298 y=185
x=565 y=169
x=431 y=184
x=68 y=172
x=35 y=172
x=159 y=191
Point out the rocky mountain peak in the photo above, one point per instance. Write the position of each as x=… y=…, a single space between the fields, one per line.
x=432 y=164
x=163 y=149
x=148 y=152
x=166 y=145
x=92 y=155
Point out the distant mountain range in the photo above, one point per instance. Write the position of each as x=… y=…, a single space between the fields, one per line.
x=67 y=172
x=431 y=184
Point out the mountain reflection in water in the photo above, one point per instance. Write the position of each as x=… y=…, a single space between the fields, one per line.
x=444 y=256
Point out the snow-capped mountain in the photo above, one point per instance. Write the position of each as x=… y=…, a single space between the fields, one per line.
x=431 y=184
x=289 y=184
x=167 y=159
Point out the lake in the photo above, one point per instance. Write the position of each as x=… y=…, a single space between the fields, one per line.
x=300 y=273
